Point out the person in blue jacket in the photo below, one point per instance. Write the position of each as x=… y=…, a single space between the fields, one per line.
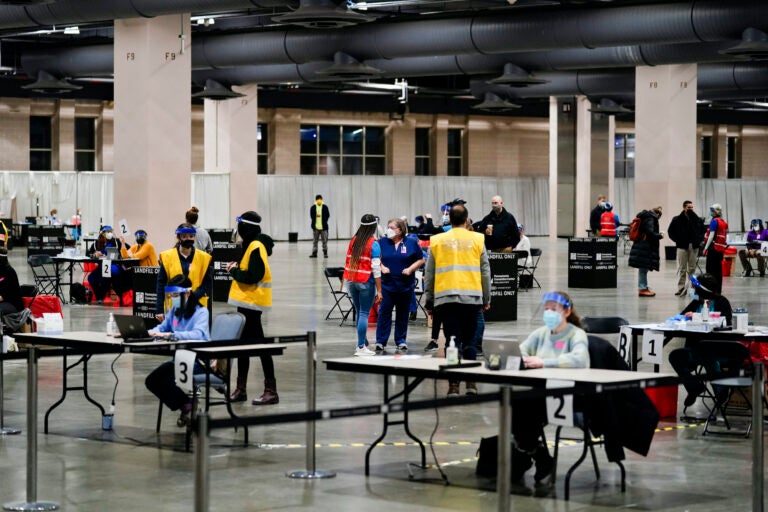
x=401 y=256
x=186 y=320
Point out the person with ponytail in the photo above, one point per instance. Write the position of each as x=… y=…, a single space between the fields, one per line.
x=362 y=276
x=251 y=292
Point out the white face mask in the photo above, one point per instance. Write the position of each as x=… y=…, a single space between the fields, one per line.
x=755 y=228
x=108 y=236
x=390 y=233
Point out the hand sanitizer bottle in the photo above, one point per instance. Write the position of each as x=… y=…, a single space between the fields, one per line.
x=705 y=311
x=452 y=353
x=111 y=325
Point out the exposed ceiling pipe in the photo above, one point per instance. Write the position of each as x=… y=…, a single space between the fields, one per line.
x=66 y=12
x=502 y=32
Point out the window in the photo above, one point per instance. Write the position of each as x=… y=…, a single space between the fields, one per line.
x=347 y=150
x=85 y=144
x=624 y=156
x=705 y=146
x=262 y=148
x=732 y=157
x=455 y=136
x=422 y=152
x=40 y=143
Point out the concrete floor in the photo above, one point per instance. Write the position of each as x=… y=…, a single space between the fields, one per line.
x=131 y=468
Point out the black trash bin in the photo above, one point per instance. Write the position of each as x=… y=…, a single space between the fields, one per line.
x=670 y=252
x=293 y=237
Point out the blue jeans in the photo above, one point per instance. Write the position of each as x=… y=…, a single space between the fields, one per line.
x=642 y=278
x=390 y=300
x=362 y=295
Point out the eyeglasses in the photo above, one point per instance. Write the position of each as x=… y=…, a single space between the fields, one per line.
x=392 y=227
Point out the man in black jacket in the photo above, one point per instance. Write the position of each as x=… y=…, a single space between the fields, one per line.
x=687 y=231
x=500 y=228
x=594 y=216
x=319 y=215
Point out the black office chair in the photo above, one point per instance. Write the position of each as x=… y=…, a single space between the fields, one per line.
x=342 y=301
x=44 y=271
x=603 y=324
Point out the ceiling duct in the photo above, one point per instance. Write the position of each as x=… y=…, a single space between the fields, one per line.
x=25 y=2
x=47 y=83
x=346 y=67
x=609 y=107
x=494 y=103
x=321 y=14
x=753 y=45
x=214 y=90
x=515 y=76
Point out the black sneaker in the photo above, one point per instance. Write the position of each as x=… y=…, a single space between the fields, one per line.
x=313 y=255
x=431 y=346
x=379 y=348
x=403 y=347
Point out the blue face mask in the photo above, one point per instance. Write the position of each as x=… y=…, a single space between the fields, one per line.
x=692 y=294
x=552 y=318
x=176 y=302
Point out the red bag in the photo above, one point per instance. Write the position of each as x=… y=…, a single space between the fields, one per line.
x=42 y=304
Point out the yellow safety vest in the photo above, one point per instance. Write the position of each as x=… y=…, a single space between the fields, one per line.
x=457 y=263
x=253 y=296
x=200 y=262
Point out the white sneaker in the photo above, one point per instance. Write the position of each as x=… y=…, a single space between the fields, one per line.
x=364 y=351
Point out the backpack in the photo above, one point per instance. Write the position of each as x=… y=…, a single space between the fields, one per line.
x=80 y=294
x=634 y=230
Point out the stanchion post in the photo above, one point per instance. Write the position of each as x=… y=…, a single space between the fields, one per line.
x=31 y=503
x=758 y=387
x=4 y=431
x=504 y=457
x=311 y=472
x=202 y=475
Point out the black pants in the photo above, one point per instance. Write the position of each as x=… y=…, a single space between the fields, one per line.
x=528 y=419
x=252 y=333
x=714 y=266
x=459 y=320
x=162 y=383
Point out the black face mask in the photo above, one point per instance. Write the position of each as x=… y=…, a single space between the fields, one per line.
x=140 y=240
x=187 y=244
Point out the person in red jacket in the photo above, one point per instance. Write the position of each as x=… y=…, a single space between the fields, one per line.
x=609 y=221
x=715 y=243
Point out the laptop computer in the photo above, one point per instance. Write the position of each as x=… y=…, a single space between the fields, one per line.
x=111 y=253
x=502 y=354
x=132 y=329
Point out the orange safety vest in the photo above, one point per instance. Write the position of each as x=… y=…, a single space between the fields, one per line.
x=721 y=235
x=363 y=271
x=607 y=224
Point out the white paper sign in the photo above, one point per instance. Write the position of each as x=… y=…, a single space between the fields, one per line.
x=122 y=225
x=653 y=345
x=184 y=363
x=106 y=268
x=764 y=249
x=559 y=408
x=625 y=345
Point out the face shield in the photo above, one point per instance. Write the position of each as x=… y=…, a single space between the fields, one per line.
x=555 y=297
x=697 y=284
x=175 y=297
x=238 y=220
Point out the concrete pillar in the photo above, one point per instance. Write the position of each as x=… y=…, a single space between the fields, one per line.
x=152 y=124
x=440 y=140
x=401 y=147
x=64 y=136
x=243 y=151
x=666 y=144
x=601 y=160
x=562 y=166
x=584 y=148
x=14 y=134
x=284 y=141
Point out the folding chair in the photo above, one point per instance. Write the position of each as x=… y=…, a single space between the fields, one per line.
x=45 y=272
x=339 y=296
x=528 y=272
x=603 y=324
x=729 y=369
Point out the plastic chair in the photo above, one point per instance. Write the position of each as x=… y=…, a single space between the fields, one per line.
x=339 y=296
x=45 y=273
x=528 y=272
x=603 y=324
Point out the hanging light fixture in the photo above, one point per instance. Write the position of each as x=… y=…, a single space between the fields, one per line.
x=515 y=76
x=610 y=107
x=753 y=45
x=49 y=84
x=321 y=14
x=494 y=103
x=214 y=90
x=346 y=67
